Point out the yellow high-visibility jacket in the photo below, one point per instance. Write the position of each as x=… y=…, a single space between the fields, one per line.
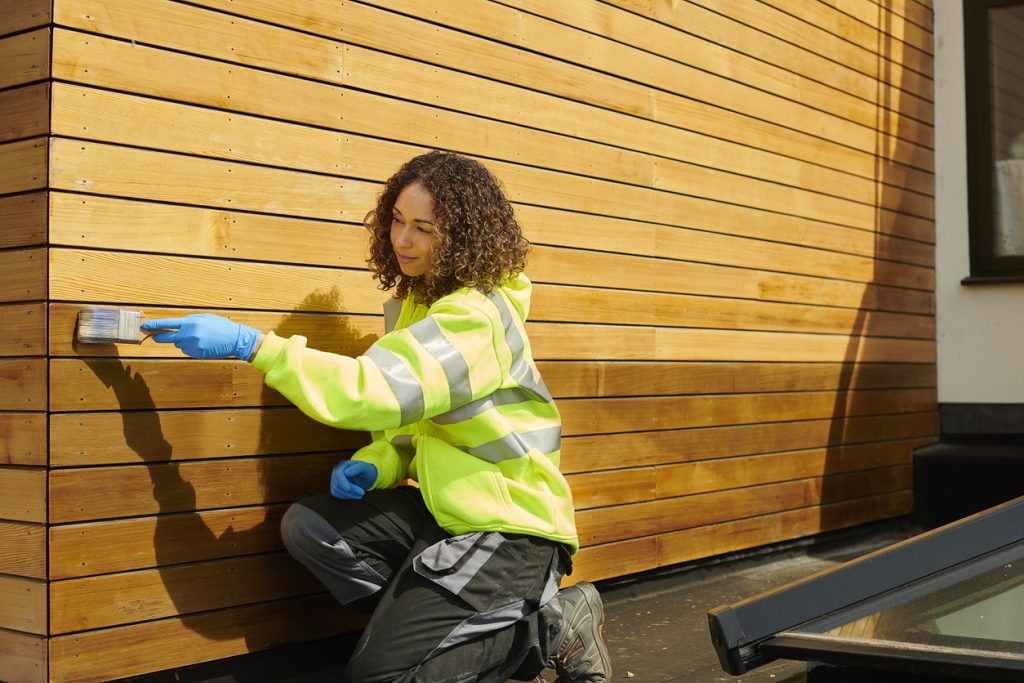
x=455 y=402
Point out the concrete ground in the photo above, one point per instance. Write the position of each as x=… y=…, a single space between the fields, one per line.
x=656 y=629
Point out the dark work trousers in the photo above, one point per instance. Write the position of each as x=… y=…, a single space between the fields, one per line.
x=445 y=608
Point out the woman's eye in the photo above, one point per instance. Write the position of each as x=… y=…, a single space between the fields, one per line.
x=395 y=220
x=424 y=229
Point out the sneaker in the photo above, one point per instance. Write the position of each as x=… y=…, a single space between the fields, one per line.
x=579 y=652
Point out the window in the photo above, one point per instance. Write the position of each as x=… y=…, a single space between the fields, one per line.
x=994 y=55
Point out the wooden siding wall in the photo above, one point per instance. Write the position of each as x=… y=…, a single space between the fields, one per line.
x=24 y=113
x=732 y=210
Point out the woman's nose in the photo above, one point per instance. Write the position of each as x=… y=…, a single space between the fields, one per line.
x=401 y=236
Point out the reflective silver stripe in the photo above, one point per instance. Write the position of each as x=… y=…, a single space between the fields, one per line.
x=520 y=368
x=429 y=335
x=481 y=624
x=403 y=444
x=501 y=397
x=404 y=386
x=467 y=552
x=392 y=309
x=516 y=445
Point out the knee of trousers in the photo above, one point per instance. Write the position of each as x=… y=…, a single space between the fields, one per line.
x=311 y=540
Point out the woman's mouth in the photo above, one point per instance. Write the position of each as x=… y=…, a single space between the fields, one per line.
x=405 y=259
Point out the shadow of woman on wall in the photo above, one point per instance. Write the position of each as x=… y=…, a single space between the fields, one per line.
x=216 y=537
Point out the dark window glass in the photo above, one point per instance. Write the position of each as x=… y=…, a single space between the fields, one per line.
x=994 y=54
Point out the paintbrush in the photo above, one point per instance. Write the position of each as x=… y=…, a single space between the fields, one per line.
x=111 y=326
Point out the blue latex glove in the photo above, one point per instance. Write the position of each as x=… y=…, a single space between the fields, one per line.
x=351 y=478
x=204 y=335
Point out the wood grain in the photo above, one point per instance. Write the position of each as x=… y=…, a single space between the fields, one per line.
x=25 y=57
x=23 y=439
x=23 y=549
x=91 y=548
x=113 y=599
x=156 y=645
x=23 y=657
x=23 y=605
x=23 y=384
x=613 y=451
x=110 y=492
x=26 y=112
x=24 y=327
x=23 y=494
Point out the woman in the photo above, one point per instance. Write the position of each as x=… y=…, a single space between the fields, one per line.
x=461 y=572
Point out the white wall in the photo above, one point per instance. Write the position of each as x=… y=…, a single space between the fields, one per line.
x=980 y=327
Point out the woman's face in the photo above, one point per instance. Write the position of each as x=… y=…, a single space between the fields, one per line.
x=413 y=231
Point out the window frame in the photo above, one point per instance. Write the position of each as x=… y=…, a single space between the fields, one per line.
x=985 y=265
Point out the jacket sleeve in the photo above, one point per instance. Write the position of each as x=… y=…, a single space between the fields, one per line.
x=435 y=365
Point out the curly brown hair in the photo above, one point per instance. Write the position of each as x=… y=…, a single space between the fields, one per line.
x=479 y=242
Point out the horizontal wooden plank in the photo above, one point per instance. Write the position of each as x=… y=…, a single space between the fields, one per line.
x=24 y=327
x=23 y=657
x=144 y=279
x=171 y=643
x=791 y=24
x=113 y=384
x=106 y=492
x=381 y=72
x=650 y=552
x=122 y=545
x=804 y=84
x=598 y=269
x=23 y=494
x=609 y=451
x=874 y=26
x=745 y=40
x=124 y=119
x=23 y=549
x=681 y=546
x=857 y=262
x=549 y=111
x=26 y=112
x=568 y=380
x=22 y=165
x=19 y=15
x=24 y=275
x=23 y=220
x=604 y=525
x=147 y=279
x=105 y=384
x=571 y=81
x=107 y=169
x=96 y=438
x=113 y=599
x=636 y=485
x=23 y=605
x=22 y=384
x=102 y=222
x=26 y=58
x=695 y=66
x=716 y=475
x=23 y=438
x=603 y=416
x=247 y=85
x=189 y=29
x=524 y=106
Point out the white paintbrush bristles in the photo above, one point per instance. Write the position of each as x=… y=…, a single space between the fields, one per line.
x=109 y=326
